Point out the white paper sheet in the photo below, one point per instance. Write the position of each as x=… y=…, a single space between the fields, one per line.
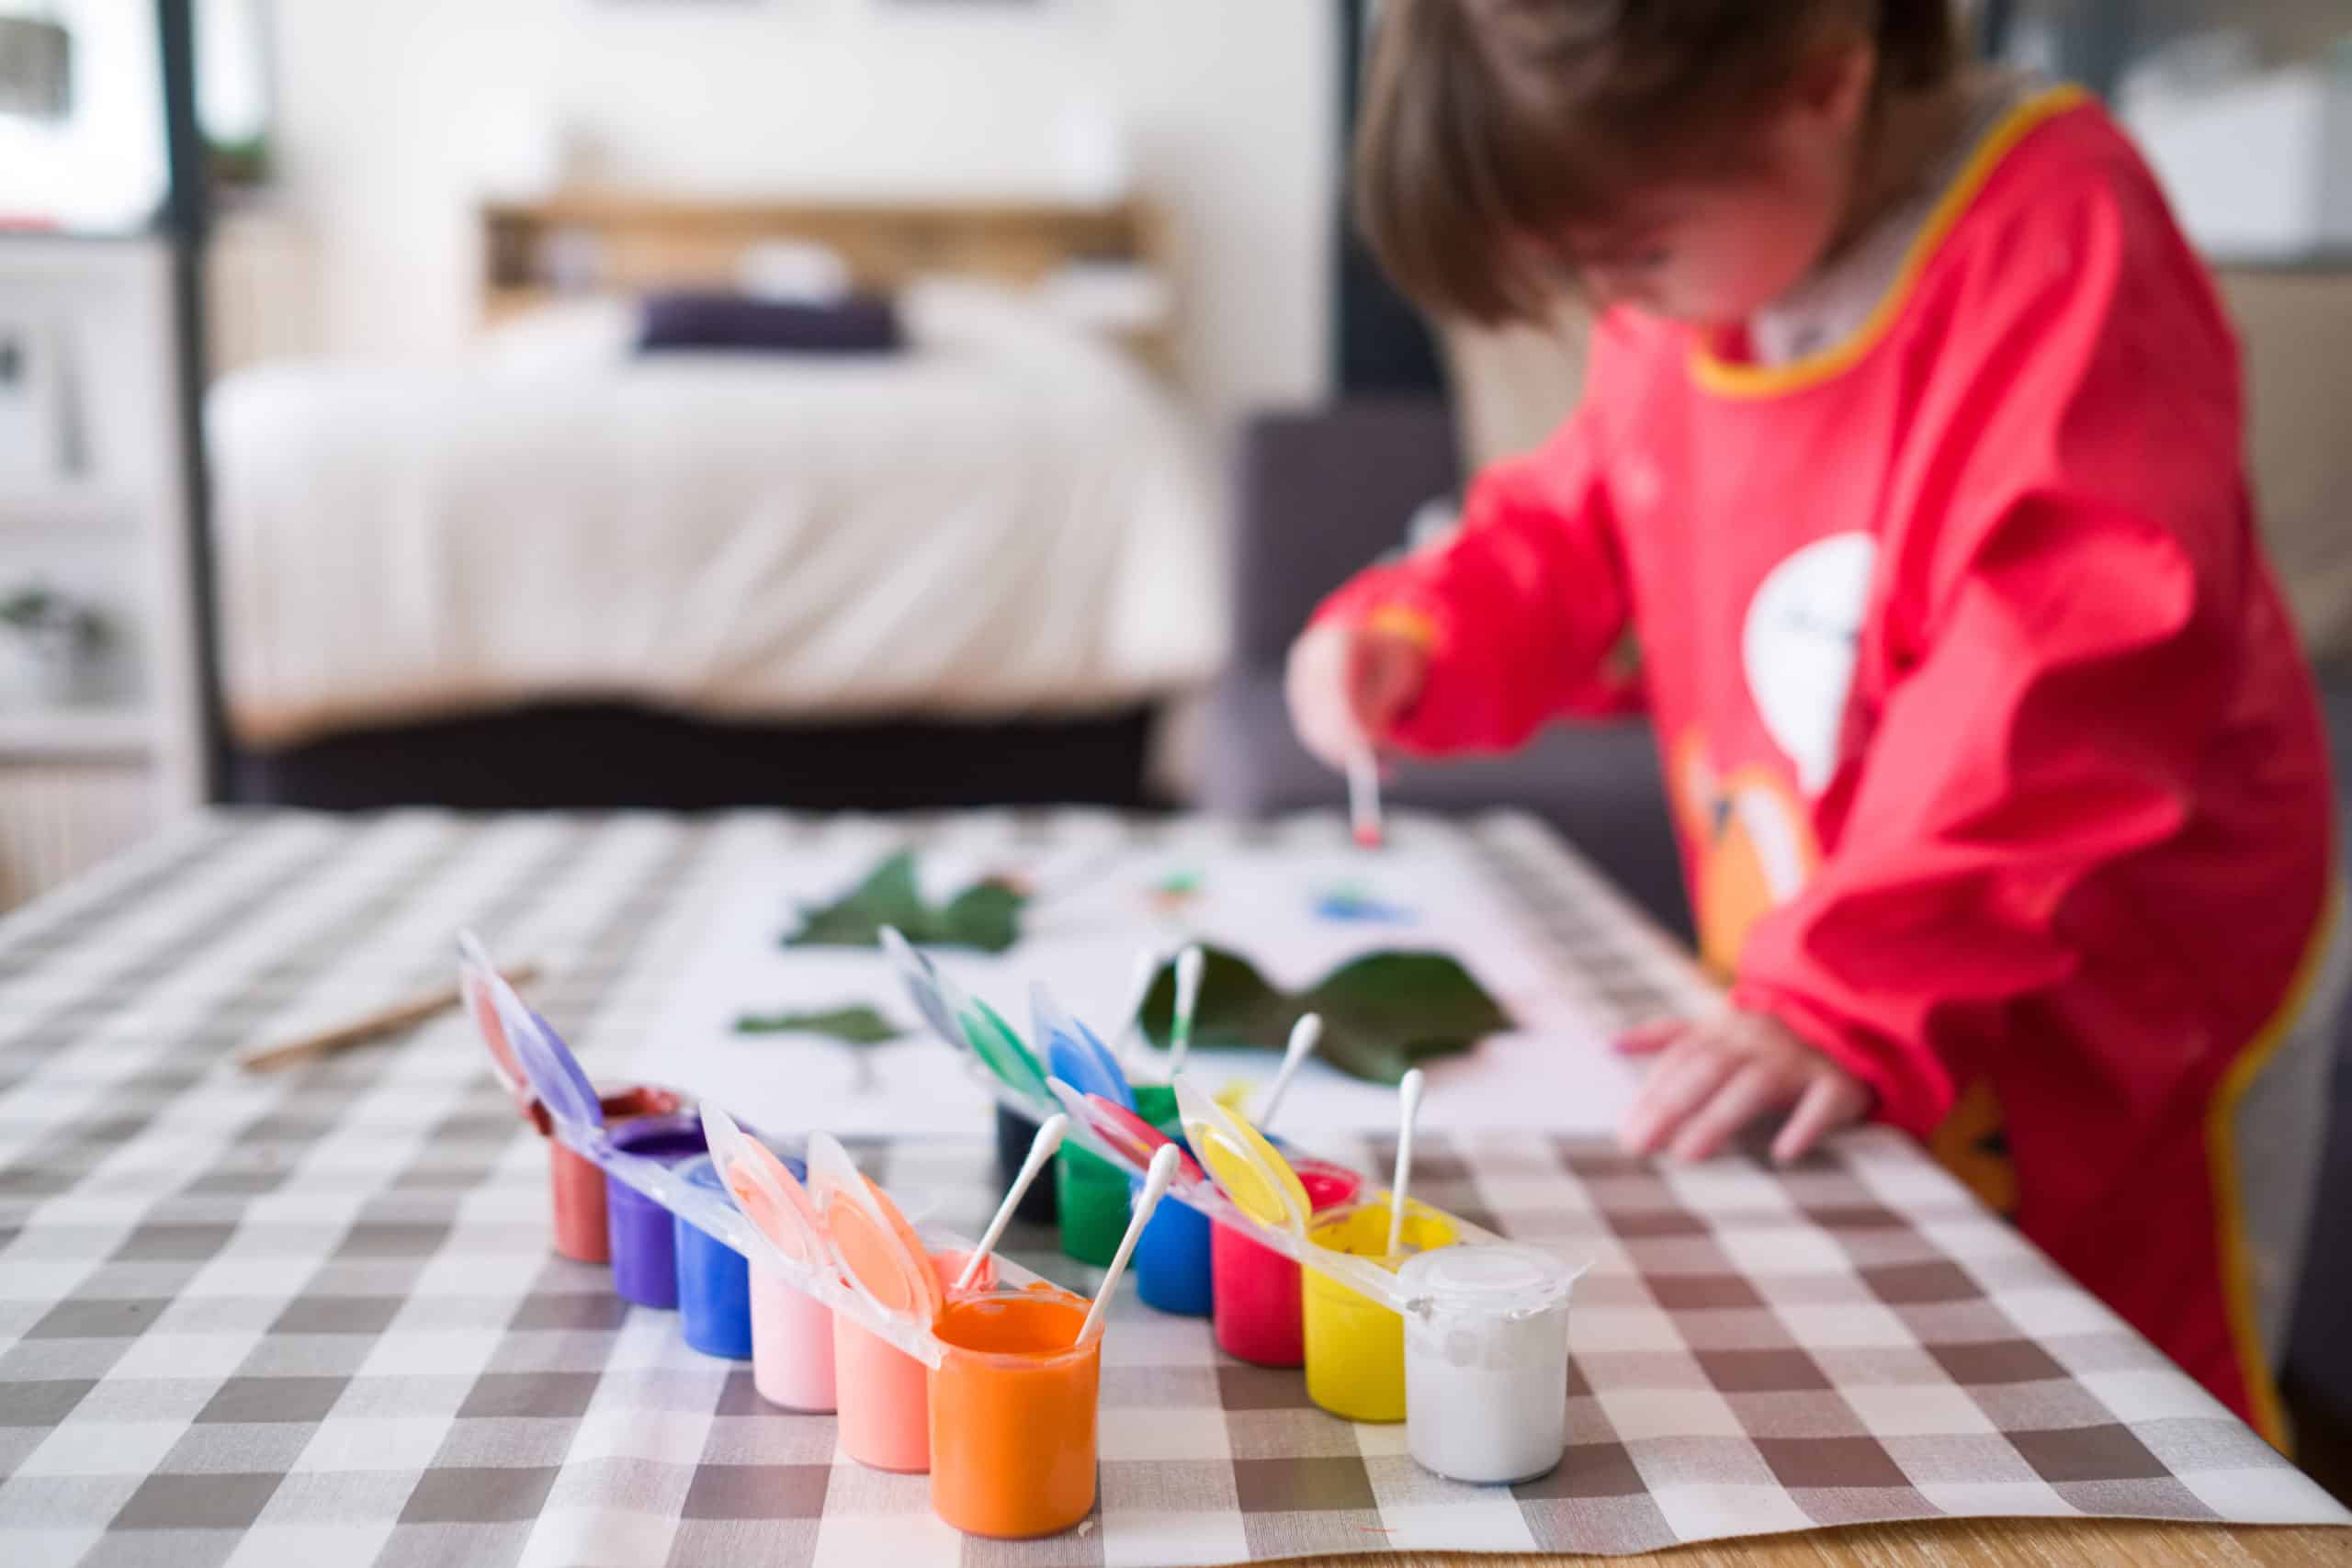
x=1094 y=911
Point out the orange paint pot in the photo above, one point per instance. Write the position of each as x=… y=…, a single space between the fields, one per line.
x=576 y=1184
x=1012 y=1416
x=881 y=1397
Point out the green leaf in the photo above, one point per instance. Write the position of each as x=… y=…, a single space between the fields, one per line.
x=1382 y=1013
x=985 y=915
x=849 y=1025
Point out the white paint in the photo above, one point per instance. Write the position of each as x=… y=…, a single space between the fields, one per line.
x=1487 y=1361
x=1798 y=645
x=395 y=120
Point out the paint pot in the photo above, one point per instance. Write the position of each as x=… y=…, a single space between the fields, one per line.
x=881 y=1395
x=1092 y=1194
x=638 y=1230
x=576 y=1183
x=1174 y=1268
x=714 y=1280
x=792 y=1331
x=1355 y=1346
x=1486 y=1361
x=1012 y=1416
x=1014 y=1134
x=1257 y=1297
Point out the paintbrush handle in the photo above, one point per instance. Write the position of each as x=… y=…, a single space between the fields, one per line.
x=384 y=1020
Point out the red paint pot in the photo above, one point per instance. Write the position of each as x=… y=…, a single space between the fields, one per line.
x=1257 y=1302
x=576 y=1184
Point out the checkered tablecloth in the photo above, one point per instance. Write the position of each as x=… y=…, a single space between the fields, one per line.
x=314 y=1317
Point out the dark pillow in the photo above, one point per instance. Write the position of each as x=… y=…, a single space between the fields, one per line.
x=860 y=324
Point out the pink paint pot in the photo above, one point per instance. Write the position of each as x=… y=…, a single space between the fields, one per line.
x=882 y=1395
x=1257 y=1302
x=792 y=1345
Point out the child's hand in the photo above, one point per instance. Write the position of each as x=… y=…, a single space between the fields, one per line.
x=1348 y=684
x=1713 y=1078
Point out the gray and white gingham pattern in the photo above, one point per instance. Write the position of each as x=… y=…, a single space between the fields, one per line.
x=314 y=1317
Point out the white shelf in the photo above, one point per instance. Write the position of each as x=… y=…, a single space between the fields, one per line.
x=92 y=733
x=78 y=504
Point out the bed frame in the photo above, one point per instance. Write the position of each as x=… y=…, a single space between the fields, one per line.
x=619 y=756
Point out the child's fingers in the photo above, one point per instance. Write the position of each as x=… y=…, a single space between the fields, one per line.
x=1828 y=1104
x=1386 y=677
x=1750 y=1092
x=1650 y=1038
x=1684 y=1079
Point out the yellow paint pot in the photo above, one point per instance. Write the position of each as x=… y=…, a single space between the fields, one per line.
x=1355 y=1346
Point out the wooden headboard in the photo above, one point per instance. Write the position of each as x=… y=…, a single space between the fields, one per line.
x=616 y=241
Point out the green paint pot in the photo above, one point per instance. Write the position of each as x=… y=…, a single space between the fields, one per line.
x=1091 y=1198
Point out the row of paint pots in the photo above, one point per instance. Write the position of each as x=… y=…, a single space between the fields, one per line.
x=1477 y=1366
x=1005 y=1425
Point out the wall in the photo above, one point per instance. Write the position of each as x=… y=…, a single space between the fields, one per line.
x=394 y=119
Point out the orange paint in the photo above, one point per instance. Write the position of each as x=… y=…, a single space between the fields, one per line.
x=576 y=1184
x=1012 y=1412
x=882 y=1401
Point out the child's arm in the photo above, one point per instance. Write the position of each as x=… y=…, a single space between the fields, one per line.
x=1515 y=617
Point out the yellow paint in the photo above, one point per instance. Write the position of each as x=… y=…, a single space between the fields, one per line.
x=2229 y=1211
x=1355 y=1346
x=1728 y=379
x=1253 y=1174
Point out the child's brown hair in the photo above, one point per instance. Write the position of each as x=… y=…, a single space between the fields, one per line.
x=1490 y=125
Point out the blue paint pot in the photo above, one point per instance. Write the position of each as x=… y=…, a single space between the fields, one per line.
x=1172 y=1261
x=714 y=1281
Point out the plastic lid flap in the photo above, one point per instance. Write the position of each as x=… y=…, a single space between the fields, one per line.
x=763 y=1188
x=555 y=1073
x=1133 y=1138
x=1076 y=1057
x=921 y=977
x=1246 y=1167
x=478 y=983
x=993 y=1041
x=878 y=1253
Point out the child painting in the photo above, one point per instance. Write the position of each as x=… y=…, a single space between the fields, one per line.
x=1908 y=499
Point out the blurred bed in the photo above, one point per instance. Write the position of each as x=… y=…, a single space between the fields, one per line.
x=951 y=544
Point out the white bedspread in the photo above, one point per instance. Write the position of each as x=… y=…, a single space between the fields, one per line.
x=1010 y=519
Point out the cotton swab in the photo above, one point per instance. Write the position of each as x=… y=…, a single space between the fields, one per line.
x=1305 y=1035
x=1146 y=970
x=1189 y=964
x=1409 y=1097
x=1363 y=798
x=1041 y=1149
x=1155 y=1188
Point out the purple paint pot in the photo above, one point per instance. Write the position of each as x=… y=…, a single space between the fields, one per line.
x=641 y=1232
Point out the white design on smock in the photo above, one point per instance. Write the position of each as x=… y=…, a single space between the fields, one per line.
x=1798 y=646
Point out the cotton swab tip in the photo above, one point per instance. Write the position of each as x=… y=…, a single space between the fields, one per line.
x=1190 y=963
x=1305 y=1035
x=1041 y=1149
x=1363 y=799
x=1155 y=1188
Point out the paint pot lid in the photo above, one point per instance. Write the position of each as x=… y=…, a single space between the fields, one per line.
x=1134 y=1138
x=1504 y=1278
x=921 y=978
x=997 y=1046
x=1076 y=1057
x=877 y=1250
x=1246 y=1167
x=555 y=1074
x=479 y=982
x=768 y=1189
